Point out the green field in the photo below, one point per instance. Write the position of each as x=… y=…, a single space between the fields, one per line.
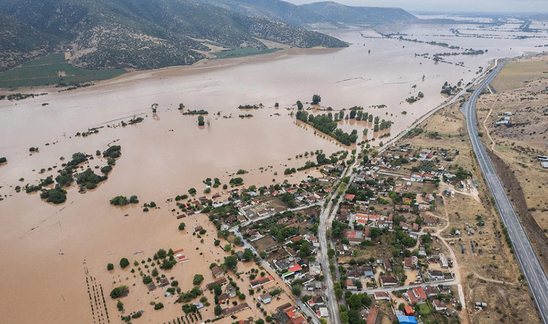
x=45 y=71
x=242 y=51
x=424 y=309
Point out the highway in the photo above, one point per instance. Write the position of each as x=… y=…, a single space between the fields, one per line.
x=524 y=252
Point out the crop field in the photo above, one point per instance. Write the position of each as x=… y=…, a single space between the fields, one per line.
x=52 y=70
x=242 y=51
x=516 y=73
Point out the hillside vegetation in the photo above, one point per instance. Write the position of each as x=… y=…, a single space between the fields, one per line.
x=139 y=34
x=349 y=15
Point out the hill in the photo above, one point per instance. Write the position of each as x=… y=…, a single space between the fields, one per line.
x=274 y=9
x=349 y=15
x=19 y=42
x=141 y=34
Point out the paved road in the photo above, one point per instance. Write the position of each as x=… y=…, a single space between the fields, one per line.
x=526 y=256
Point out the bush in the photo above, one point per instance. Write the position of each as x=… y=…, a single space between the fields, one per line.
x=118 y=291
x=110 y=266
x=182 y=226
x=124 y=263
x=198 y=278
x=120 y=306
x=147 y=280
x=158 y=306
x=56 y=195
x=119 y=201
x=3 y=160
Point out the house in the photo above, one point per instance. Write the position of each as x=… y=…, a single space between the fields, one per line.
x=431 y=291
x=197 y=228
x=260 y=282
x=443 y=261
x=369 y=272
x=349 y=197
x=439 y=305
x=408 y=310
x=354 y=274
x=409 y=263
x=317 y=300
x=164 y=282
x=230 y=290
x=285 y=307
x=240 y=255
x=220 y=282
x=265 y=298
x=419 y=293
x=349 y=284
x=388 y=281
x=434 y=275
x=281 y=318
x=222 y=297
x=295 y=268
x=411 y=297
x=373 y=315
x=235 y=309
x=323 y=312
x=387 y=265
x=217 y=272
x=381 y=295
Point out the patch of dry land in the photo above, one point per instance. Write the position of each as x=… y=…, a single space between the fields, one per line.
x=488 y=271
x=515 y=124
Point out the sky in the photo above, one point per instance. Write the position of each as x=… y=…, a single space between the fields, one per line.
x=450 y=6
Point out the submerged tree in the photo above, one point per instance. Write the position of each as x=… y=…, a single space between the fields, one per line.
x=316 y=99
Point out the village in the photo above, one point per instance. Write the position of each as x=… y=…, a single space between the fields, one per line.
x=386 y=243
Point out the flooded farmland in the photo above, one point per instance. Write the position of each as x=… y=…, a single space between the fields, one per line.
x=168 y=153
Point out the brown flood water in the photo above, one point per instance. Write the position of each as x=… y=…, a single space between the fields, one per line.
x=164 y=156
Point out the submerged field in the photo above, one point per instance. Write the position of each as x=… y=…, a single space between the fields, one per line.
x=52 y=70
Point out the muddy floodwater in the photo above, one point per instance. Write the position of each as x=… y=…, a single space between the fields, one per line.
x=168 y=153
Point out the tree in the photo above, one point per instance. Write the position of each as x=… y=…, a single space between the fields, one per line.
x=110 y=266
x=124 y=263
x=401 y=307
x=198 y=278
x=316 y=99
x=338 y=293
x=201 y=121
x=231 y=262
x=296 y=290
x=354 y=301
x=218 y=310
x=147 y=280
x=330 y=253
x=192 y=191
x=248 y=255
x=118 y=291
x=154 y=272
x=305 y=250
x=299 y=105
x=120 y=306
x=182 y=226
x=158 y=306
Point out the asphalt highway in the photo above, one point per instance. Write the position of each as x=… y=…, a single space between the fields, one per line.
x=524 y=252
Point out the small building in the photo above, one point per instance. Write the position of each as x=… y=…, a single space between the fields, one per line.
x=407 y=319
x=317 y=300
x=408 y=310
x=419 y=293
x=323 y=312
x=265 y=298
x=435 y=275
x=443 y=261
x=381 y=295
x=439 y=305
x=260 y=282
x=217 y=272
x=220 y=282
x=388 y=281
x=197 y=228
x=354 y=236
x=431 y=291
x=235 y=309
